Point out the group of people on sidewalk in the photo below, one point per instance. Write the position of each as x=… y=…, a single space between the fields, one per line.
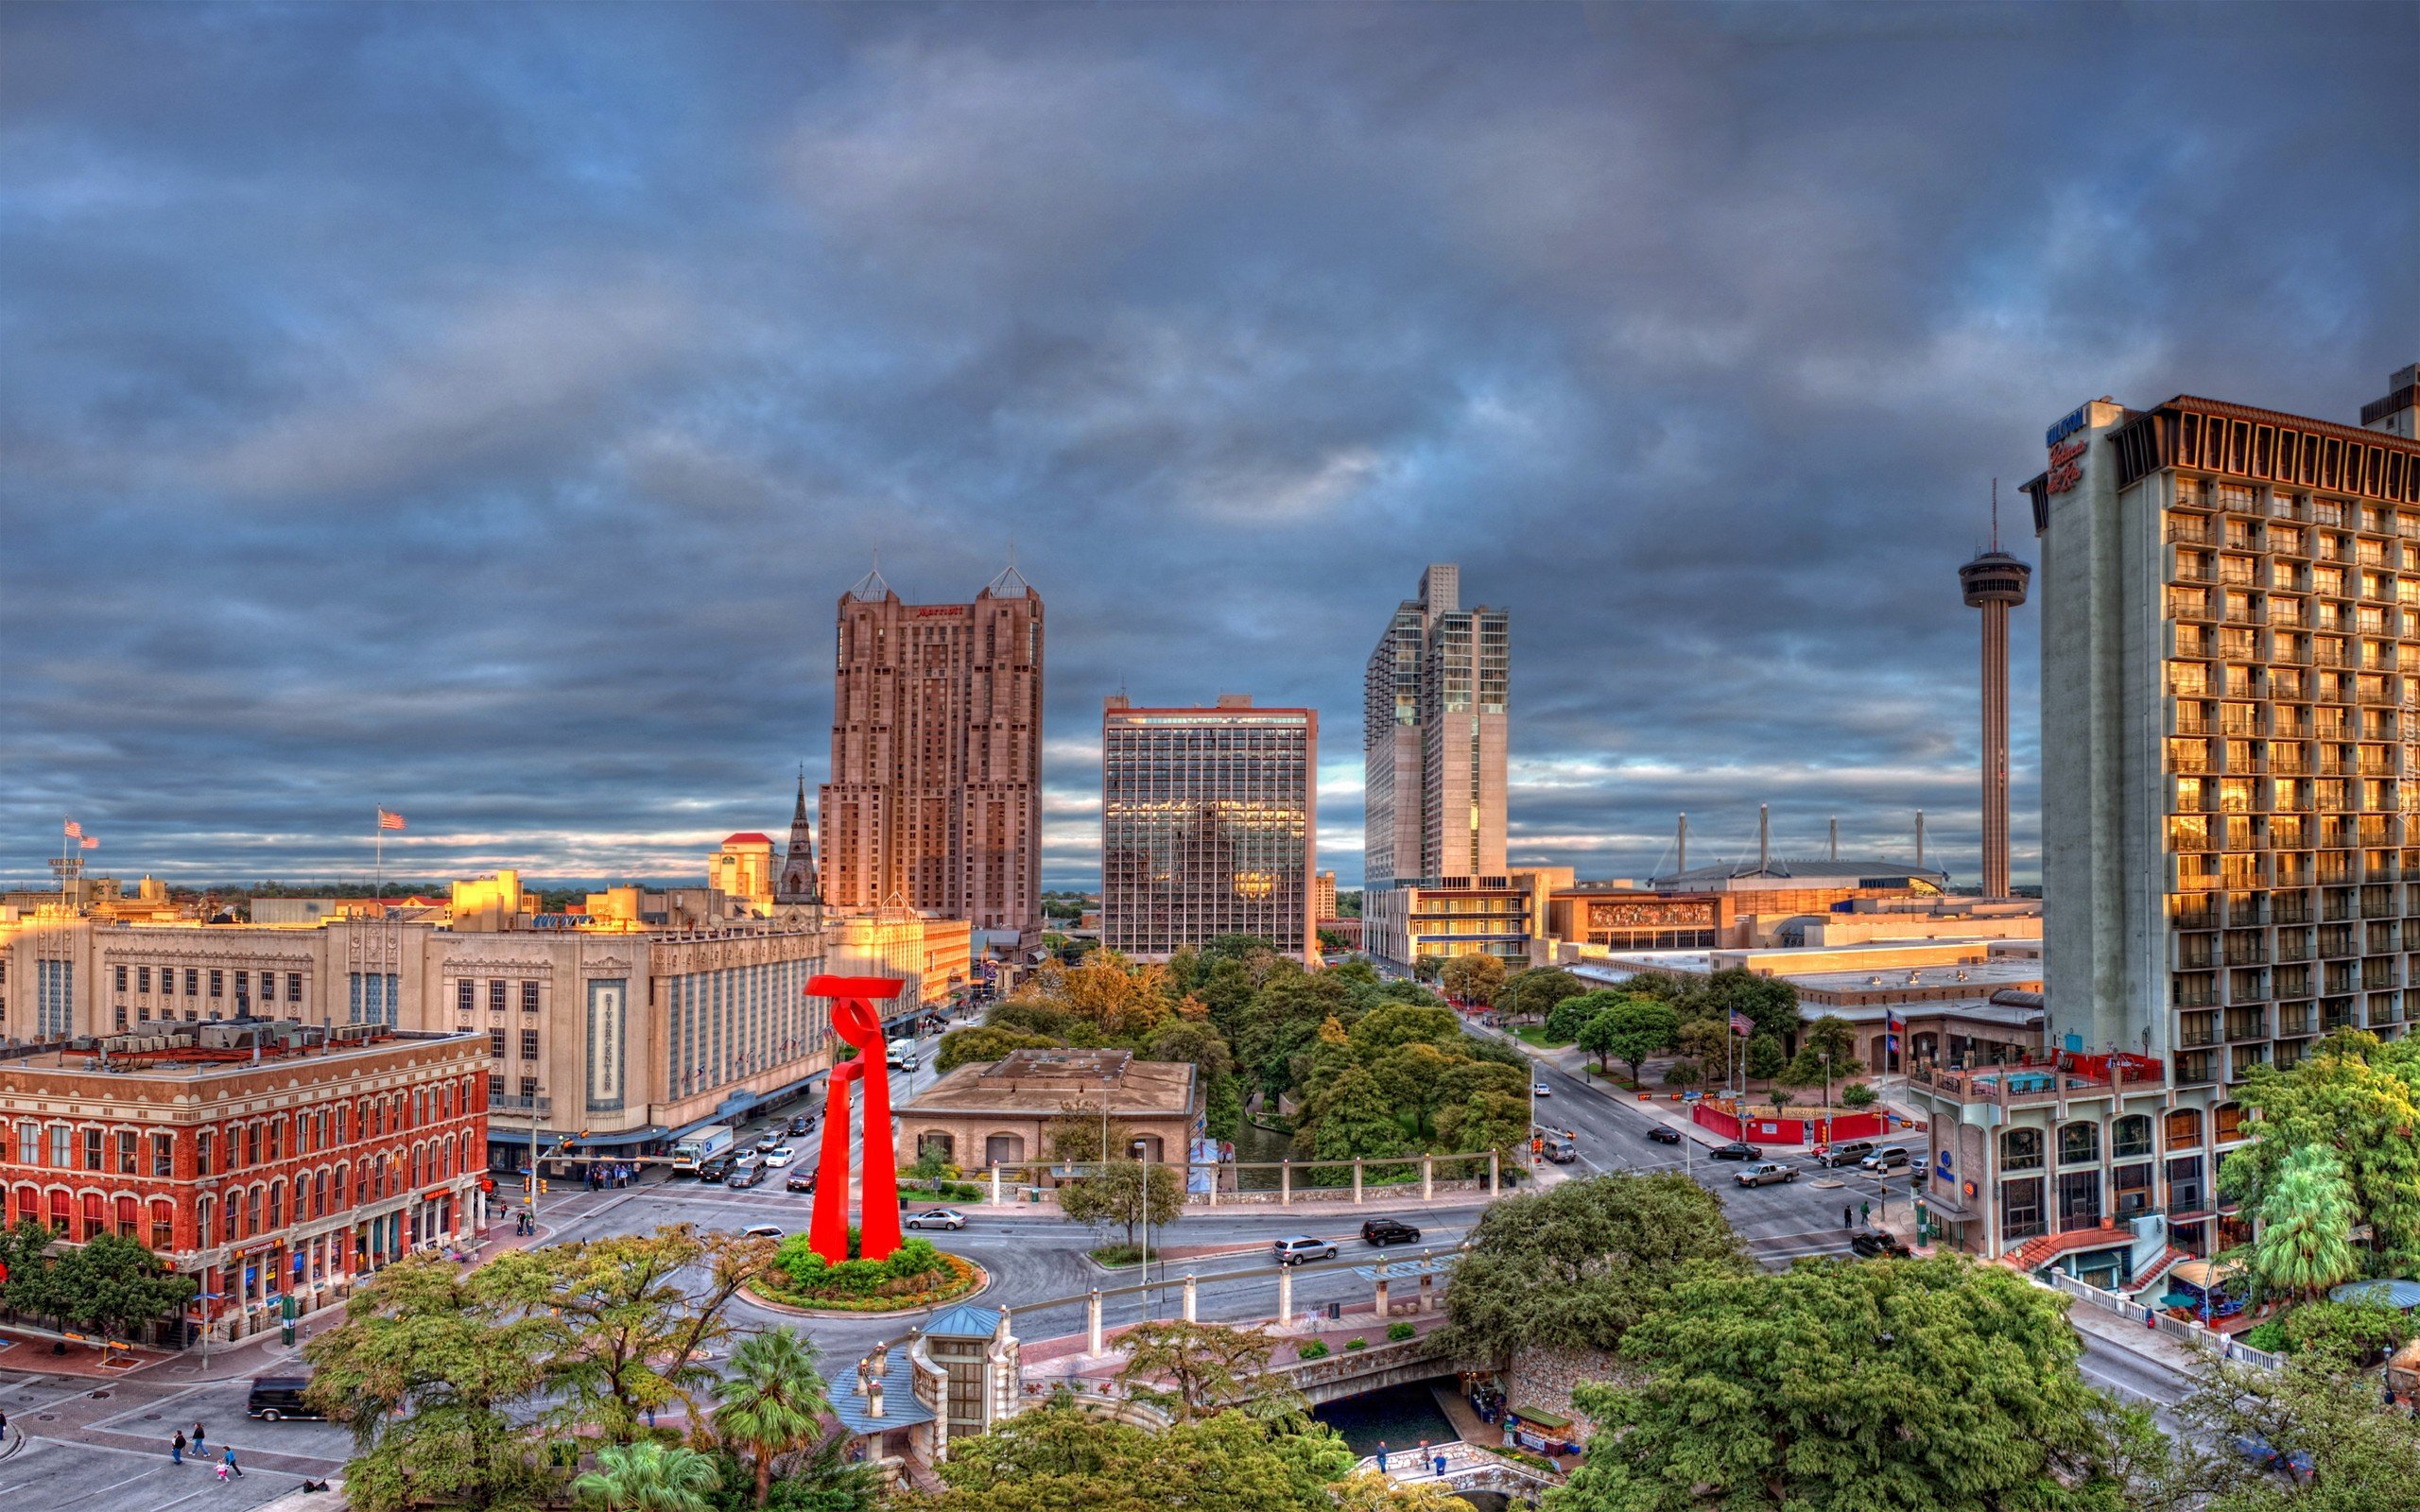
x=227 y=1466
x=1424 y=1456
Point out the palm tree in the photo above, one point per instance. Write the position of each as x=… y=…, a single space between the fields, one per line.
x=2304 y=1242
x=647 y=1476
x=772 y=1403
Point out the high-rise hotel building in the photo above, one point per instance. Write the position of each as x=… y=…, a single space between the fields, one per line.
x=935 y=801
x=2231 y=758
x=1209 y=826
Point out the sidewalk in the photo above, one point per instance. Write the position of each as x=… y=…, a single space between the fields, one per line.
x=2181 y=1359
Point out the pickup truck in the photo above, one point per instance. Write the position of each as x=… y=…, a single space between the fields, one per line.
x=1766 y=1173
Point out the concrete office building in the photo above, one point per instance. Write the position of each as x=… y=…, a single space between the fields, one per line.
x=2231 y=736
x=1209 y=826
x=1505 y=916
x=1433 y=736
x=934 y=800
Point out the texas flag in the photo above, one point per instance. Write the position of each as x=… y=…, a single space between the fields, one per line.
x=1891 y=1031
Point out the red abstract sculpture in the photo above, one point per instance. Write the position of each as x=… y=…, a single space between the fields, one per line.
x=855 y=1020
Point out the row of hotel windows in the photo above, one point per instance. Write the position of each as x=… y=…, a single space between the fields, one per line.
x=244 y=1213
x=216 y=977
x=238 y=1145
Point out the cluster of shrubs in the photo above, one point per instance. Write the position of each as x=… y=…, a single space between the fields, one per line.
x=914 y=1266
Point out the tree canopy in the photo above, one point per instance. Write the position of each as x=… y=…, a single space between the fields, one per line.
x=2358 y=1100
x=1124 y=1195
x=1580 y=1263
x=1630 y=1029
x=1059 y=1457
x=1930 y=1385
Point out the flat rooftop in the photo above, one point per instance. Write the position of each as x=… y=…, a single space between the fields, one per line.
x=203 y=1050
x=1029 y=1082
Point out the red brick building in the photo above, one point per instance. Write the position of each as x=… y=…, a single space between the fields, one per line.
x=266 y=1159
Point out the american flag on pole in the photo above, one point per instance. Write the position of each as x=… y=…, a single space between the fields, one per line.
x=75 y=831
x=87 y=842
x=389 y=820
x=1741 y=1023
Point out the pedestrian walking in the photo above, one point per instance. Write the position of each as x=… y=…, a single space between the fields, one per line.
x=197 y=1436
x=1846 y=1221
x=1864 y=1212
x=176 y=1448
x=232 y=1469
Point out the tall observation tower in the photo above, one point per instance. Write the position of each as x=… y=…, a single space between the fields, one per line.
x=1994 y=582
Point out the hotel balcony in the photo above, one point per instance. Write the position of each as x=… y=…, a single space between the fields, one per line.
x=2196 y=1067
x=2295 y=1018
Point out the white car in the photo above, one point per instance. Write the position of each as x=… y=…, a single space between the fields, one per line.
x=1539 y=1088
x=937 y=1218
x=779 y=1155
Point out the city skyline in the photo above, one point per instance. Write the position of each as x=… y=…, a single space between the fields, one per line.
x=418 y=432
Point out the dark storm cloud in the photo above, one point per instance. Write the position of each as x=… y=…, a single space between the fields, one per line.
x=479 y=410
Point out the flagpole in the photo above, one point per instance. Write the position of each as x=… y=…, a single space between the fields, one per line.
x=378 y=853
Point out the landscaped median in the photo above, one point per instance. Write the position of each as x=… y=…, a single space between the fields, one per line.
x=915 y=1276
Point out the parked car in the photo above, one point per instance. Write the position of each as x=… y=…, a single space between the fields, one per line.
x=1297 y=1249
x=780 y=1155
x=1665 y=1134
x=2294 y=1466
x=761 y=1231
x=1539 y=1088
x=1849 y=1152
x=1735 y=1150
x=1388 y=1231
x=1766 y=1173
x=750 y=1175
x=938 y=1218
x=1888 y=1158
x=717 y=1169
x=276 y=1398
x=1871 y=1243
x=800 y=1180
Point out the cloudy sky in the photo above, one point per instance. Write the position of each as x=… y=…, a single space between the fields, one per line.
x=479 y=410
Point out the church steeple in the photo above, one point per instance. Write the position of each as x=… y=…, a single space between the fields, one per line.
x=798 y=867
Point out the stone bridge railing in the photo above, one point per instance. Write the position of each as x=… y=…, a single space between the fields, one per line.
x=1349 y=1372
x=1468 y=1468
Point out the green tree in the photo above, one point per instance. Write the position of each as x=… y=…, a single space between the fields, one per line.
x=772 y=1402
x=1402 y=1023
x=1771 y=1001
x=2355 y=1333
x=1903 y=1386
x=1568 y=1017
x=1539 y=991
x=647 y=1476
x=1630 y=1030
x=1486 y=1120
x=2303 y=1245
x=433 y=1369
x=1464 y=1079
x=33 y=1286
x=1578 y=1264
x=2359 y=1100
x=1414 y=1078
x=1835 y=1037
x=962 y=1047
x=1195 y=1368
x=1059 y=1457
x=1710 y=1043
x=117 y=1286
x=1350 y=1117
x=1473 y=978
x=1124 y=1195
x=630 y=1318
x=2362 y=1455
x=1765 y=1057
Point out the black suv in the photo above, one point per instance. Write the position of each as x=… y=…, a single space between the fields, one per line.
x=1735 y=1150
x=800 y=1124
x=1388 y=1231
x=717 y=1169
x=1872 y=1243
